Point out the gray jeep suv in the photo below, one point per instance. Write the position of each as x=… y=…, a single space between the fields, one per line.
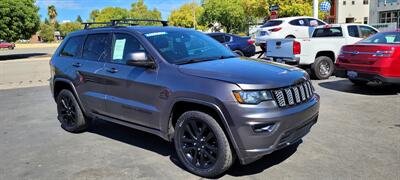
x=185 y=87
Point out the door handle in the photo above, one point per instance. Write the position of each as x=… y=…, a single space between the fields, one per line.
x=111 y=70
x=77 y=64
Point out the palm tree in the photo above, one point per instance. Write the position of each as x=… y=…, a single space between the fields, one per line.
x=52 y=12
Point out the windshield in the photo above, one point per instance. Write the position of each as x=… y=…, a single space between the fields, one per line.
x=383 y=38
x=272 y=23
x=181 y=47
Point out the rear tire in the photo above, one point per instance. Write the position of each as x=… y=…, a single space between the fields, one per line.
x=323 y=67
x=70 y=114
x=201 y=144
x=357 y=82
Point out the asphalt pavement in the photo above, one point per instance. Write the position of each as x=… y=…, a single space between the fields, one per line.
x=357 y=137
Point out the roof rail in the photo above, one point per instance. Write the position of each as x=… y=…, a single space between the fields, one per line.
x=87 y=24
x=115 y=22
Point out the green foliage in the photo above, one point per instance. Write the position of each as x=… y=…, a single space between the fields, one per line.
x=94 y=14
x=79 y=19
x=66 y=28
x=19 y=19
x=52 y=12
x=229 y=13
x=46 y=21
x=46 y=33
x=186 y=16
x=109 y=13
x=140 y=11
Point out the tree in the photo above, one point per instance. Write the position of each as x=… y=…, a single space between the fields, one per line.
x=46 y=33
x=52 y=12
x=19 y=19
x=229 y=13
x=188 y=15
x=94 y=14
x=109 y=13
x=79 y=19
x=140 y=11
x=66 y=28
x=46 y=21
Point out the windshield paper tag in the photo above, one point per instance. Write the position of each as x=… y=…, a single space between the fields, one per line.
x=155 y=34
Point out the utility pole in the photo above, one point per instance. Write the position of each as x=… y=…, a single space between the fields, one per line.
x=315 y=6
x=194 y=15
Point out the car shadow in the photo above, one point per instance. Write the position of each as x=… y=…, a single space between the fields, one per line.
x=22 y=56
x=345 y=85
x=158 y=145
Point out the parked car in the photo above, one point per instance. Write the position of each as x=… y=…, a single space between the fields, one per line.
x=244 y=46
x=321 y=50
x=376 y=59
x=289 y=27
x=185 y=87
x=4 y=45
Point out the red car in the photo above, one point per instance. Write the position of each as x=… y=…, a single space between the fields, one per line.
x=4 y=44
x=376 y=58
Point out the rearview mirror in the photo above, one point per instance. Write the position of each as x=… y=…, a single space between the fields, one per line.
x=140 y=59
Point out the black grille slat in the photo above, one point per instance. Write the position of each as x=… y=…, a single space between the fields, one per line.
x=294 y=95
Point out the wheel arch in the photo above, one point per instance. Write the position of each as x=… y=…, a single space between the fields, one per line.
x=182 y=105
x=329 y=54
x=62 y=83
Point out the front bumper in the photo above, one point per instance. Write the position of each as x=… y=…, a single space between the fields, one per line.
x=288 y=126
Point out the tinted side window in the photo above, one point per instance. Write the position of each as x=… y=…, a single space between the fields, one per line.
x=328 y=32
x=97 y=47
x=353 y=31
x=366 y=31
x=124 y=45
x=272 y=23
x=298 y=22
x=73 y=47
x=219 y=38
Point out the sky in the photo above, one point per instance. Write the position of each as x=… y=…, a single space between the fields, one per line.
x=70 y=9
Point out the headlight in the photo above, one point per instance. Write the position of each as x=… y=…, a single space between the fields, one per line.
x=252 y=97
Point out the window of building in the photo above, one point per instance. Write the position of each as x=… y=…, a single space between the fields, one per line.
x=365 y=2
x=353 y=2
x=389 y=16
x=344 y=3
x=365 y=20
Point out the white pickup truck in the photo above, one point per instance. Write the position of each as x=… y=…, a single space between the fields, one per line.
x=321 y=50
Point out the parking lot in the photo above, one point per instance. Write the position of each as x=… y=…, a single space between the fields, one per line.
x=357 y=137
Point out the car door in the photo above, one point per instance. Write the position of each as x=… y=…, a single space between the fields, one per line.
x=91 y=86
x=132 y=91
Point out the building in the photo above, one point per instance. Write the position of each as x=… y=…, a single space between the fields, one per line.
x=349 y=11
x=385 y=13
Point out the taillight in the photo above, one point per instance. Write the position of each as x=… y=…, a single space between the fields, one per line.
x=275 y=29
x=296 y=47
x=250 y=41
x=383 y=53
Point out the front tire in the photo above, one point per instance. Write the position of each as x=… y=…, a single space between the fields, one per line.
x=202 y=145
x=323 y=67
x=70 y=114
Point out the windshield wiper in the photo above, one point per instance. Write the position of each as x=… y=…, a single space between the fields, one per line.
x=203 y=59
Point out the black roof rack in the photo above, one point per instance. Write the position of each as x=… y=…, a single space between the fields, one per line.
x=116 y=22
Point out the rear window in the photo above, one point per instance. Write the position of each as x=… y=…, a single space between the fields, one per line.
x=383 y=38
x=97 y=47
x=328 y=32
x=73 y=47
x=272 y=23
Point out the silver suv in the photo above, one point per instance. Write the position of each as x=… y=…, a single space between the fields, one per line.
x=185 y=87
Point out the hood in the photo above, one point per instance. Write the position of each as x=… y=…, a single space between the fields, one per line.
x=247 y=73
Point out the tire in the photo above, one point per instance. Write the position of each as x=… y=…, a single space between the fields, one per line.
x=323 y=67
x=357 y=82
x=11 y=48
x=290 y=37
x=70 y=114
x=239 y=52
x=208 y=141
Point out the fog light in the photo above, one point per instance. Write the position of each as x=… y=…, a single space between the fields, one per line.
x=260 y=128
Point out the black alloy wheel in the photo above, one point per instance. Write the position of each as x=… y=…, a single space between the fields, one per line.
x=70 y=114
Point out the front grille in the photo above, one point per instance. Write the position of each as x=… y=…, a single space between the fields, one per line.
x=294 y=95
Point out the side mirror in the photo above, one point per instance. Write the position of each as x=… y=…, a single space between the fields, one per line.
x=140 y=59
